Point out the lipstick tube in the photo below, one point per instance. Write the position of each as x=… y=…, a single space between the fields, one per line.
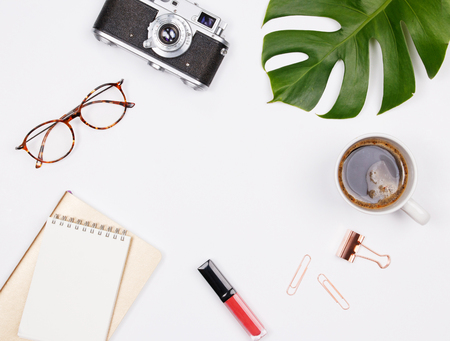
x=232 y=300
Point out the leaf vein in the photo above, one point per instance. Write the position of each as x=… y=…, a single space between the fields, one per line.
x=415 y=14
x=348 y=7
x=360 y=27
x=391 y=29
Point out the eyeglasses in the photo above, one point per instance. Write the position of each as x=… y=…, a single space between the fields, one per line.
x=59 y=138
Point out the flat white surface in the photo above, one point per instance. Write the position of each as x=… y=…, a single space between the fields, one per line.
x=223 y=175
x=75 y=284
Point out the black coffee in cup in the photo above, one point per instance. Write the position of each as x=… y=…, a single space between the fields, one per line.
x=373 y=173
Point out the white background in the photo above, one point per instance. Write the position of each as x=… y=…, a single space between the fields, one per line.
x=223 y=175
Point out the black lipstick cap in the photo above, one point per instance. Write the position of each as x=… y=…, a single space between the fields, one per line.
x=216 y=280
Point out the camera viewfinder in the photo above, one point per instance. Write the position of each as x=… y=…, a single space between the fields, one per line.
x=206 y=20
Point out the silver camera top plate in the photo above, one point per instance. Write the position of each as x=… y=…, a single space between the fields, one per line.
x=192 y=13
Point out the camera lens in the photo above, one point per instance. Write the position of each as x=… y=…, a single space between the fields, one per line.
x=169 y=34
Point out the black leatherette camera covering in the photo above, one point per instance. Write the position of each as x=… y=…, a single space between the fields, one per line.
x=128 y=20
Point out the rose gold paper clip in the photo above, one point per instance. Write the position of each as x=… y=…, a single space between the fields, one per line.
x=338 y=301
x=349 y=248
x=295 y=287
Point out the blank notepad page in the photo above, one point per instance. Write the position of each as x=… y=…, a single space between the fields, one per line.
x=75 y=283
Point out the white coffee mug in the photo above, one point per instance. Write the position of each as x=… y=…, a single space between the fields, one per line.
x=405 y=202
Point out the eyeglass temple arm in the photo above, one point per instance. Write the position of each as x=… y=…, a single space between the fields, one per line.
x=66 y=116
x=61 y=118
x=100 y=92
x=124 y=104
x=49 y=127
x=41 y=150
x=127 y=104
x=48 y=130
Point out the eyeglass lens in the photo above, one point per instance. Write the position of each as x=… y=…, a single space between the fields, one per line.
x=56 y=138
x=100 y=114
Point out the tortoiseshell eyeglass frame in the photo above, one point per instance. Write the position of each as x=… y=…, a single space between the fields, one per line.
x=74 y=113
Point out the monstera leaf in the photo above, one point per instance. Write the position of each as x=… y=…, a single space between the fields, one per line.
x=302 y=84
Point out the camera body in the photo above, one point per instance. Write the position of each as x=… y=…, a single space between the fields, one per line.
x=174 y=36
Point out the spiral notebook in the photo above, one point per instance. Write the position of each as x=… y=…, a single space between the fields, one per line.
x=90 y=282
x=75 y=282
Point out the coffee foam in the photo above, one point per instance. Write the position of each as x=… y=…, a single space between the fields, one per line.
x=401 y=164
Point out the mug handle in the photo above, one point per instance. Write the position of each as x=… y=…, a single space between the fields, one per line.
x=415 y=211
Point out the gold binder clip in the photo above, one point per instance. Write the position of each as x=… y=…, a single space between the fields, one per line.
x=326 y=280
x=349 y=247
x=295 y=287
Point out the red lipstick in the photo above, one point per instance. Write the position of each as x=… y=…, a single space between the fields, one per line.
x=232 y=300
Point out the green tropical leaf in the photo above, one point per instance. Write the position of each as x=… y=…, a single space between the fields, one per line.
x=302 y=84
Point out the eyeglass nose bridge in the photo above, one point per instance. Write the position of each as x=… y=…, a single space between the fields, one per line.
x=74 y=113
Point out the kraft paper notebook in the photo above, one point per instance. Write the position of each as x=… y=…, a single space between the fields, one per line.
x=118 y=251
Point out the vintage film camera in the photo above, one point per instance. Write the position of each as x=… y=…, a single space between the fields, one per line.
x=175 y=36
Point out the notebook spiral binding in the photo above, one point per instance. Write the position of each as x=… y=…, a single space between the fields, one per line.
x=87 y=225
